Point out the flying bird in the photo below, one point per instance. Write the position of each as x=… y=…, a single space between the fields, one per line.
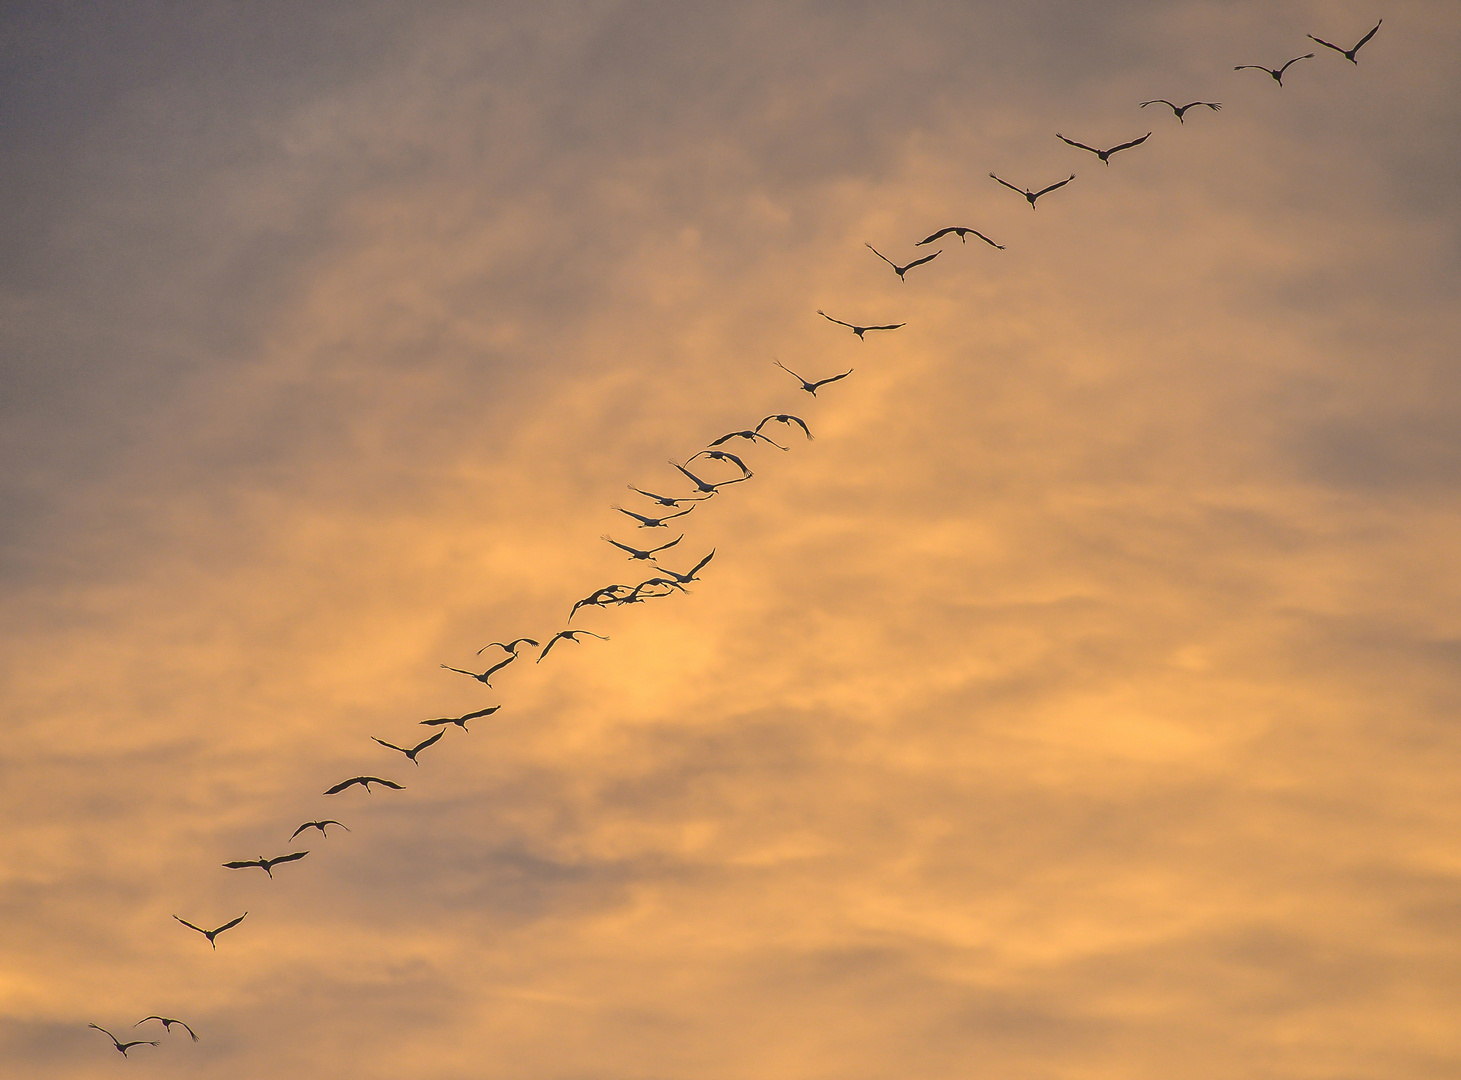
x=168 y=1022
x=1348 y=54
x=704 y=485
x=1276 y=73
x=634 y=596
x=788 y=420
x=315 y=825
x=609 y=594
x=485 y=676
x=636 y=553
x=510 y=646
x=461 y=721
x=411 y=753
x=1178 y=110
x=1104 y=155
x=749 y=435
x=858 y=330
x=650 y=522
x=811 y=387
x=211 y=934
x=1031 y=196
x=962 y=231
x=665 y=500
x=901 y=270
x=119 y=1044
x=365 y=782
x=569 y=636
x=267 y=865
x=725 y=455
x=685 y=579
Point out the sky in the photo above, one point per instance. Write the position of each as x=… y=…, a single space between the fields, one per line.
x=1079 y=704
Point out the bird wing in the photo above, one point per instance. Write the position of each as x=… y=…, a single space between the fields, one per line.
x=631 y=513
x=295 y=857
x=296 y=832
x=107 y=1033
x=1295 y=60
x=459 y=671
x=829 y=318
x=621 y=547
x=701 y=564
x=1129 y=145
x=651 y=551
x=392 y=745
x=353 y=780
x=427 y=742
x=849 y=371
x=1366 y=37
x=1052 y=187
x=880 y=255
x=226 y=926
x=1328 y=44
x=986 y=239
x=732 y=457
x=1007 y=184
x=727 y=438
x=498 y=667
x=884 y=326
x=185 y=1027
x=935 y=236
x=671 y=517
x=688 y=473
x=189 y=926
x=1255 y=67
x=240 y=865
x=1072 y=142
x=553 y=641
x=1160 y=101
x=521 y=641
x=1214 y=105
x=386 y=783
x=920 y=262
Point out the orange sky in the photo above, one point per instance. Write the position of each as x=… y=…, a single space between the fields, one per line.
x=1081 y=703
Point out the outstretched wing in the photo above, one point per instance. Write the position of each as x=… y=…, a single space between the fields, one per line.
x=226 y=926
x=880 y=255
x=343 y=784
x=1072 y=142
x=1366 y=37
x=288 y=858
x=829 y=318
x=427 y=742
x=937 y=235
x=1052 y=187
x=1129 y=145
x=189 y=925
x=1327 y=44
x=1007 y=184
x=1160 y=101
x=391 y=745
x=1295 y=60
x=662 y=547
x=384 y=783
x=1255 y=67
x=240 y=865
x=986 y=239
x=918 y=262
x=849 y=371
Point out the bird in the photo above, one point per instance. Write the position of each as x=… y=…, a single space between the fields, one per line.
x=634 y=596
x=1104 y=155
x=788 y=420
x=510 y=646
x=1178 y=110
x=811 y=387
x=119 y=1044
x=365 y=782
x=901 y=270
x=568 y=635
x=211 y=934
x=1277 y=74
x=1031 y=196
x=1348 y=54
x=461 y=721
x=267 y=865
x=636 y=553
x=704 y=485
x=317 y=825
x=649 y=522
x=749 y=435
x=411 y=753
x=609 y=594
x=685 y=579
x=858 y=330
x=168 y=1021
x=486 y=675
x=665 y=500
x=961 y=231
x=724 y=455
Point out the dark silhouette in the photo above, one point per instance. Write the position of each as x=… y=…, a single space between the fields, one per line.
x=961 y=231
x=649 y=522
x=567 y=635
x=1178 y=110
x=365 y=782
x=1278 y=72
x=788 y=420
x=167 y=1023
x=1104 y=155
x=665 y=500
x=119 y=1044
x=901 y=270
x=210 y=934
x=317 y=825
x=509 y=646
x=811 y=387
x=724 y=455
x=411 y=753
x=706 y=486
x=1031 y=196
x=267 y=865
x=461 y=721
x=858 y=330
x=749 y=435
x=485 y=677
x=1348 y=54
x=685 y=579
x=636 y=553
x=609 y=594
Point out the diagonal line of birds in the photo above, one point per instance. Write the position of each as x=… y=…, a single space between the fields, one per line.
x=668 y=582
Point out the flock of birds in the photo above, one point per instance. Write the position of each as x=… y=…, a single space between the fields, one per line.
x=666 y=582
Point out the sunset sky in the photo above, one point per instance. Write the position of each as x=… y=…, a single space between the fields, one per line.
x=1083 y=702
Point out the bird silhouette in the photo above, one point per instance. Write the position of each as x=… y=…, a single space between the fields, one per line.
x=788 y=420
x=1277 y=73
x=749 y=435
x=119 y=1044
x=962 y=231
x=1179 y=110
x=685 y=579
x=567 y=635
x=1348 y=54
x=413 y=751
x=365 y=782
x=705 y=485
x=1031 y=196
x=168 y=1022
x=636 y=553
x=1104 y=155
x=485 y=677
x=509 y=646
x=901 y=270
x=320 y=825
x=609 y=594
x=651 y=522
x=267 y=865
x=665 y=500
x=637 y=594
x=811 y=387
x=725 y=455
x=461 y=721
x=212 y=934
x=858 y=330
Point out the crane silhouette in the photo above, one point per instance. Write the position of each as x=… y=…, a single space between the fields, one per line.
x=211 y=935
x=1348 y=54
x=461 y=721
x=901 y=270
x=119 y=1044
x=961 y=231
x=1104 y=155
x=1277 y=73
x=267 y=865
x=1031 y=196
x=1179 y=110
x=413 y=751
